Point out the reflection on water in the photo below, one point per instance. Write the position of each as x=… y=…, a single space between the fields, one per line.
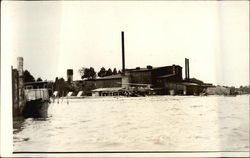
x=165 y=123
x=17 y=124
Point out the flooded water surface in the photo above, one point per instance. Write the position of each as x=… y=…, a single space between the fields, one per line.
x=157 y=123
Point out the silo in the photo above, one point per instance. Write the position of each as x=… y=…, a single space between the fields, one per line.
x=70 y=75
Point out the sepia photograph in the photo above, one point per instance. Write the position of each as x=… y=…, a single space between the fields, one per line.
x=125 y=78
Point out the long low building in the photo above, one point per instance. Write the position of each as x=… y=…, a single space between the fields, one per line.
x=115 y=91
x=165 y=80
x=158 y=80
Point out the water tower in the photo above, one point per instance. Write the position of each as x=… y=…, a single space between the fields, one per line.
x=70 y=75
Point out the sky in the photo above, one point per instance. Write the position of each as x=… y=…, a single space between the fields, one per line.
x=59 y=35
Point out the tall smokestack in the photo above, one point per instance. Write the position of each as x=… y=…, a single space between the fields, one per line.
x=123 y=53
x=186 y=69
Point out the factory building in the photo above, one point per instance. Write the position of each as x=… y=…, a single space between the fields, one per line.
x=160 y=80
x=154 y=80
x=166 y=80
x=151 y=75
x=108 y=81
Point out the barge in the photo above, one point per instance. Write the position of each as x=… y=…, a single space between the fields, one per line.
x=36 y=103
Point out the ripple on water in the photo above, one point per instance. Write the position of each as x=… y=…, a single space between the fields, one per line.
x=159 y=122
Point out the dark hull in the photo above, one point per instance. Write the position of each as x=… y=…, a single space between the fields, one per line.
x=35 y=109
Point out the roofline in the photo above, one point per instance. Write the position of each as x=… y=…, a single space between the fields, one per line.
x=153 y=68
x=37 y=82
x=109 y=78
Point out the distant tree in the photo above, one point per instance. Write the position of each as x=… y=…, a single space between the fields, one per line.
x=27 y=77
x=88 y=73
x=119 y=72
x=39 y=79
x=60 y=86
x=55 y=84
x=114 y=71
x=244 y=89
x=102 y=72
x=109 y=72
x=92 y=73
x=81 y=71
x=56 y=79
x=69 y=80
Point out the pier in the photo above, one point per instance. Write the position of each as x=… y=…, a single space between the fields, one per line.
x=30 y=99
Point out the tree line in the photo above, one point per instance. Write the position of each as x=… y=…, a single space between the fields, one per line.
x=27 y=77
x=90 y=73
x=86 y=73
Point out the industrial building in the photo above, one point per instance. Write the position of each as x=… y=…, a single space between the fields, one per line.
x=155 y=80
x=166 y=80
x=152 y=80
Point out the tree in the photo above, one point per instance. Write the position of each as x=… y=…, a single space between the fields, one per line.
x=119 y=72
x=39 y=79
x=102 y=72
x=69 y=80
x=92 y=73
x=244 y=89
x=114 y=71
x=60 y=86
x=81 y=72
x=27 y=77
x=56 y=84
x=88 y=73
x=109 y=72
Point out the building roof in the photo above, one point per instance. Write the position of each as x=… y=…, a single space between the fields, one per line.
x=194 y=80
x=135 y=84
x=37 y=82
x=117 y=76
x=149 y=69
x=190 y=84
x=166 y=76
x=107 y=89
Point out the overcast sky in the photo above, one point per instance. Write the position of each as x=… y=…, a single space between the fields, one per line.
x=55 y=36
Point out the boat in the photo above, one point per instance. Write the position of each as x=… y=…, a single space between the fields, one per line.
x=36 y=103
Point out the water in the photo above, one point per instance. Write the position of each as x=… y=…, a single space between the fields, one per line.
x=157 y=123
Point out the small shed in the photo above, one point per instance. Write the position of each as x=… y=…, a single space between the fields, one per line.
x=193 y=88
